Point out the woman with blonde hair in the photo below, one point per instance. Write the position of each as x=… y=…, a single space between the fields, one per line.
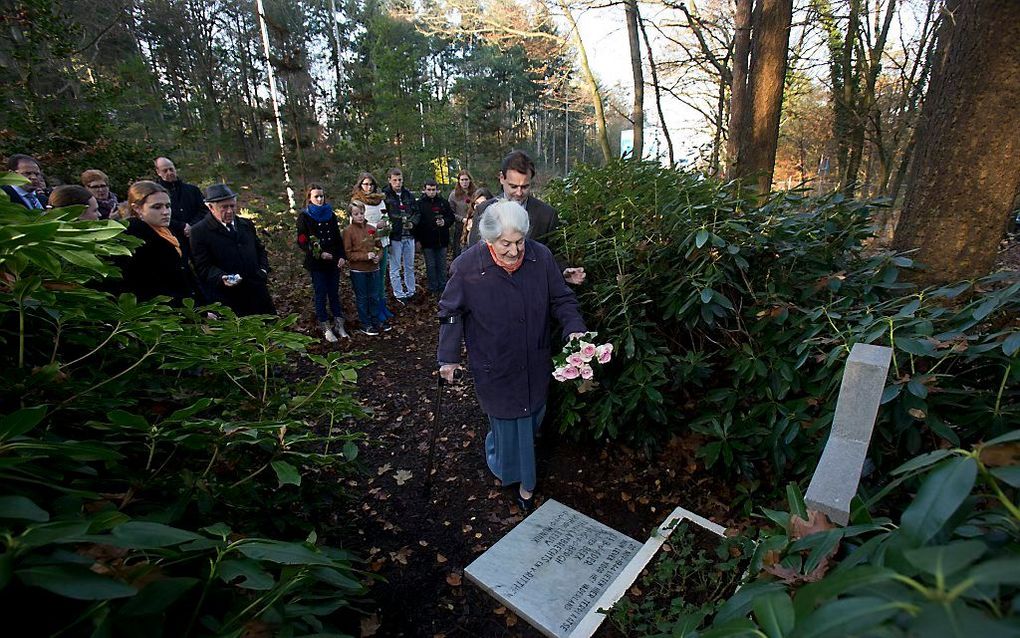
x=99 y=185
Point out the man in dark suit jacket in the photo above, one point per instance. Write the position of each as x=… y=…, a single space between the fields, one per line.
x=230 y=260
x=515 y=175
x=186 y=203
x=27 y=194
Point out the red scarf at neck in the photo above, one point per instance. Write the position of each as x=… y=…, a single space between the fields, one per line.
x=509 y=269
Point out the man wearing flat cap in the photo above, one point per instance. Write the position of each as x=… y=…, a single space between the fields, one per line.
x=230 y=260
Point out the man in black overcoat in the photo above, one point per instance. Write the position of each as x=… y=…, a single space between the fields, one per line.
x=230 y=260
x=186 y=204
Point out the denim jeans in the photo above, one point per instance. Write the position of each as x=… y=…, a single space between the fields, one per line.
x=326 y=284
x=402 y=259
x=435 y=268
x=365 y=287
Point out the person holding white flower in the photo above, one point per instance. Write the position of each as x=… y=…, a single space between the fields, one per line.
x=501 y=298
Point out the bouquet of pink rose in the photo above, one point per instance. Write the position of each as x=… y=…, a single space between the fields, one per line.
x=578 y=357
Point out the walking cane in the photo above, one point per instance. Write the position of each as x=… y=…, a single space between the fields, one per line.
x=457 y=375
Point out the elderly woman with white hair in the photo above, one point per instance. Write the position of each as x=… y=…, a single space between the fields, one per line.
x=501 y=298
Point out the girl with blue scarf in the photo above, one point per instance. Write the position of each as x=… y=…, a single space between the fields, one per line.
x=318 y=236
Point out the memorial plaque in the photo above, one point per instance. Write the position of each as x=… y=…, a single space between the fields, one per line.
x=553 y=567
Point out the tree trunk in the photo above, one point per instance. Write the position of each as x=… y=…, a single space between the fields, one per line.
x=596 y=97
x=738 y=85
x=658 y=94
x=766 y=75
x=638 y=110
x=276 y=103
x=965 y=172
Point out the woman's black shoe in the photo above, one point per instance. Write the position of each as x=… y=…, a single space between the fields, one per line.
x=527 y=505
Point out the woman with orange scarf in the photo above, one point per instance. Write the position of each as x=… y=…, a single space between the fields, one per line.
x=367 y=192
x=501 y=300
x=159 y=267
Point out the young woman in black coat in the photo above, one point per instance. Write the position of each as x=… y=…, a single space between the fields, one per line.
x=318 y=237
x=159 y=267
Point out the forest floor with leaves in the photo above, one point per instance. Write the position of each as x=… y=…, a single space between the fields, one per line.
x=419 y=540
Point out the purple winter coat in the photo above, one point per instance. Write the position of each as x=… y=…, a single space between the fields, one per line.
x=505 y=320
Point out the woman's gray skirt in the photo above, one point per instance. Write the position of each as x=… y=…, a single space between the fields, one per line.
x=510 y=449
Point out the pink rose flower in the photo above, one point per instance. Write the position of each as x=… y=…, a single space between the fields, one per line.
x=587 y=351
x=604 y=352
x=571 y=372
x=587 y=372
x=575 y=359
x=558 y=374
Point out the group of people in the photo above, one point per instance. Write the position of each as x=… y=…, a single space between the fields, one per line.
x=386 y=224
x=505 y=286
x=193 y=244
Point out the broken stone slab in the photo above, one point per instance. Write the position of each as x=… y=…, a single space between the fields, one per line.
x=591 y=622
x=558 y=567
x=835 y=481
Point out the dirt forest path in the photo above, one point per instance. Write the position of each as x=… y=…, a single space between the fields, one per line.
x=418 y=542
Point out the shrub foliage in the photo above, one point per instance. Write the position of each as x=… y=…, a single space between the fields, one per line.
x=732 y=321
x=150 y=456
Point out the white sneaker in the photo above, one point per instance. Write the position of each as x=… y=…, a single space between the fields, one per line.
x=339 y=330
x=328 y=332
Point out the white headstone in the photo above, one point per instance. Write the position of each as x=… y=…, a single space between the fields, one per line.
x=558 y=567
x=553 y=566
x=838 y=474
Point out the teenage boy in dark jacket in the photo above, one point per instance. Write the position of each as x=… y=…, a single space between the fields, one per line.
x=400 y=207
x=432 y=221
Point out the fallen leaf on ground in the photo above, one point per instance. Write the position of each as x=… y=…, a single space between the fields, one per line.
x=369 y=625
x=256 y=629
x=453 y=579
x=401 y=555
x=1001 y=455
x=383 y=469
x=401 y=476
x=816 y=522
x=440 y=558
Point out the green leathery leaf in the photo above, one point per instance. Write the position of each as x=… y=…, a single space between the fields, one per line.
x=774 y=613
x=946 y=560
x=701 y=238
x=149 y=535
x=244 y=573
x=844 y=617
x=282 y=553
x=74 y=581
x=157 y=596
x=941 y=494
x=22 y=509
x=286 y=473
x=21 y=421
